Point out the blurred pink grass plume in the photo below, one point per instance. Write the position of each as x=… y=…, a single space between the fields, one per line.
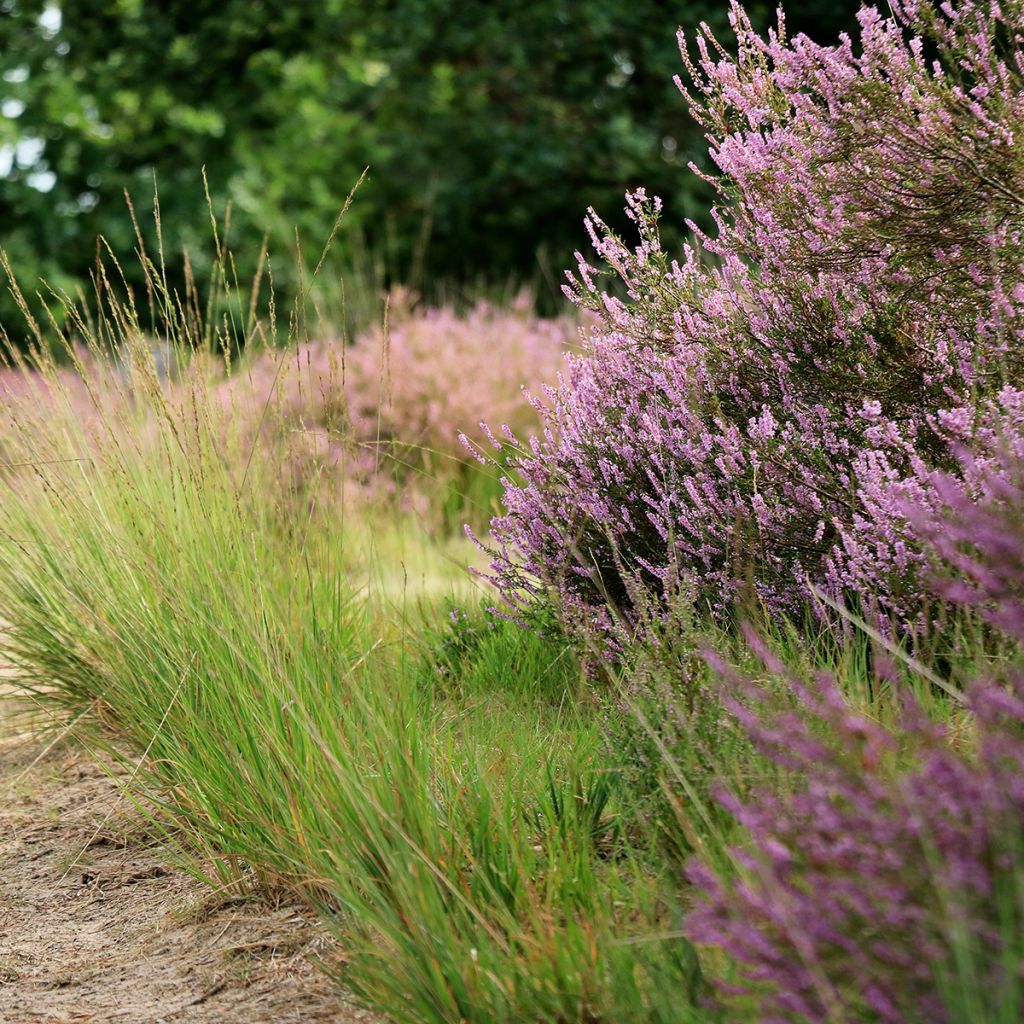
x=384 y=415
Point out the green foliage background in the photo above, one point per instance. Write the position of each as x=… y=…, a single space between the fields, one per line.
x=489 y=126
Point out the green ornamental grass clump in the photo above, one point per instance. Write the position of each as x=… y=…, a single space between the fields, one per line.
x=439 y=790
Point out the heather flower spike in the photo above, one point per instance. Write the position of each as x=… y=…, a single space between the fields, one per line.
x=884 y=883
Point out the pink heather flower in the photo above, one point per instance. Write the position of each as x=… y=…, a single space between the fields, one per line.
x=756 y=420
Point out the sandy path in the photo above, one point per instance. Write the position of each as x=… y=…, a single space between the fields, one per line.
x=116 y=935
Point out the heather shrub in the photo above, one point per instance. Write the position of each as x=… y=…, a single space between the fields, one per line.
x=887 y=882
x=384 y=414
x=752 y=413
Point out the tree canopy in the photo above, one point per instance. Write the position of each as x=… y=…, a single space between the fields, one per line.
x=489 y=126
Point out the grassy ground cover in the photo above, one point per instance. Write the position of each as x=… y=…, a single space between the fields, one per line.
x=323 y=704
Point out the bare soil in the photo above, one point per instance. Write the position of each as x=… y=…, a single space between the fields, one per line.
x=97 y=926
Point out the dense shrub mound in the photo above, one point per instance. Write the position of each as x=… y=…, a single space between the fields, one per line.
x=384 y=413
x=755 y=412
